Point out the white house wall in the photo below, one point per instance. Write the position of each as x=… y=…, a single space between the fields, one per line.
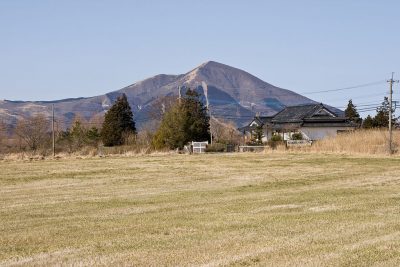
x=318 y=133
x=267 y=134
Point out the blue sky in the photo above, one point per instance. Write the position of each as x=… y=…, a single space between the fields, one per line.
x=60 y=49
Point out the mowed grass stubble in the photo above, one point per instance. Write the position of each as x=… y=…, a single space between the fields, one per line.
x=214 y=209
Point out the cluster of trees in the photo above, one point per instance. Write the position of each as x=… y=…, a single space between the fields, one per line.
x=78 y=136
x=186 y=120
x=117 y=127
x=34 y=133
x=180 y=121
x=380 y=120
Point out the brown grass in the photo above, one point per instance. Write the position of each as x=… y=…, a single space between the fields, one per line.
x=373 y=142
x=266 y=209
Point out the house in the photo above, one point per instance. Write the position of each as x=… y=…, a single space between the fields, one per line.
x=313 y=121
x=258 y=121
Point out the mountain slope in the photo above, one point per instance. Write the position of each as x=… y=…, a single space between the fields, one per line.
x=233 y=95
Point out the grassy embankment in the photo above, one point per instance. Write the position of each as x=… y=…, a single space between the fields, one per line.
x=227 y=209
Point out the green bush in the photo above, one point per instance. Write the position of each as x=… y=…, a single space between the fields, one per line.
x=297 y=136
x=276 y=138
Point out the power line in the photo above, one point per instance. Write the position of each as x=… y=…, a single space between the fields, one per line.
x=345 y=88
x=364 y=96
x=362 y=106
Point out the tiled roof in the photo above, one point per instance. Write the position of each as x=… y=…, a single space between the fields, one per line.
x=264 y=119
x=296 y=113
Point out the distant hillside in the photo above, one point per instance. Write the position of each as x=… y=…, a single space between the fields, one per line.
x=233 y=95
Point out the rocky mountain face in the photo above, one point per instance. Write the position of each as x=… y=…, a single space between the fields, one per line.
x=233 y=94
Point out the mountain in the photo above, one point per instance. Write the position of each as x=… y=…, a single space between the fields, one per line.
x=233 y=94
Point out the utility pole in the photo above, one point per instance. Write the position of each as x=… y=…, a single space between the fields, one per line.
x=205 y=90
x=53 y=133
x=391 y=81
x=179 y=94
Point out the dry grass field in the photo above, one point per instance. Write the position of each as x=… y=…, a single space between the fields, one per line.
x=204 y=210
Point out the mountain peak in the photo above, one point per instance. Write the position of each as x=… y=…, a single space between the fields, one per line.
x=210 y=63
x=233 y=93
x=213 y=64
x=222 y=76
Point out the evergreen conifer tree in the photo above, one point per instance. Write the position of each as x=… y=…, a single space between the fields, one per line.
x=381 y=119
x=368 y=122
x=257 y=136
x=186 y=121
x=117 y=122
x=352 y=113
x=77 y=134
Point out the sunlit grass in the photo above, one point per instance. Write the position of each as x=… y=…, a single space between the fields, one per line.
x=229 y=209
x=361 y=141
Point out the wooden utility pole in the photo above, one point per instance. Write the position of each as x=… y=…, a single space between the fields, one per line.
x=391 y=81
x=53 y=133
x=179 y=94
x=205 y=90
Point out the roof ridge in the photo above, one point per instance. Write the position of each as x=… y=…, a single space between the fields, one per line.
x=309 y=104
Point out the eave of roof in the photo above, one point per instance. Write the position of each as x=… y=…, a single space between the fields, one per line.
x=329 y=124
x=325 y=119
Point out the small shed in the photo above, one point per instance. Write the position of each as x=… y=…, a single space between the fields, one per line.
x=199 y=147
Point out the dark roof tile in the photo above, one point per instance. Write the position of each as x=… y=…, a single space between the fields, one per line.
x=298 y=113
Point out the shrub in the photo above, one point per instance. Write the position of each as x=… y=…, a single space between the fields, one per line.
x=297 y=136
x=276 y=138
x=218 y=147
x=275 y=141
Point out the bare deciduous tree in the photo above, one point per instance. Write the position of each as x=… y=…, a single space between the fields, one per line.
x=224 y=131
x=34 y=131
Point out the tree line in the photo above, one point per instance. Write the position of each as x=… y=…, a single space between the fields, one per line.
x=179 y=121
x=380 y=120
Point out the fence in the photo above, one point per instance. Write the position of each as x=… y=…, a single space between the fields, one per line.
x=251 y=148
x=291 y=143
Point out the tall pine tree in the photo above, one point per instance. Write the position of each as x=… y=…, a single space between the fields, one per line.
x=381 y=119
x=118 y=121
x=352 y=113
